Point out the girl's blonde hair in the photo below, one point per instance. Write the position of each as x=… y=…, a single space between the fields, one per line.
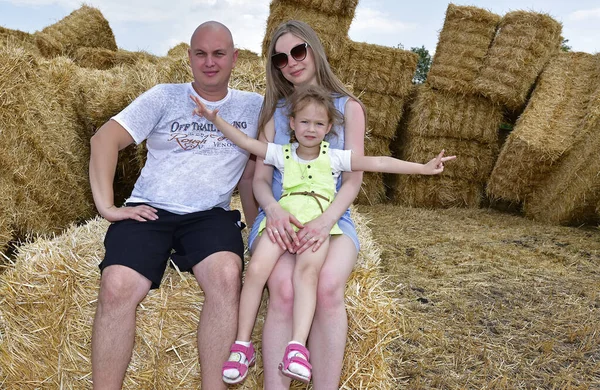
x=304 y=95
x=279 y=88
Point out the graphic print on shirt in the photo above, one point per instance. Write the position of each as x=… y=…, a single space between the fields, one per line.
x=203 y=138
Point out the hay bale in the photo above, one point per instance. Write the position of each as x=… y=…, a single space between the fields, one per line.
x=436 y=113
x=249 y=74
x=523 y=45
x=332 y=7
x=84 y=27
x=18 y=38
x=384 y=113
x=6 y=215
x=331 y=29
x=570 y=192
x=438 y=191
x=373 y=189
x=44 y=154
x=375 y=68
x=463 y=42
x=100 y=58
x=180 y=50
x=547 y=129
x=46 y=341
x=475 y=160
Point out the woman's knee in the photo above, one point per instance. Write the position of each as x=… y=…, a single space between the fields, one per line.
x=330 y=290
x=281 y=294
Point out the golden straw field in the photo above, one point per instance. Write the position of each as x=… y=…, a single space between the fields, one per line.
x=485 y=277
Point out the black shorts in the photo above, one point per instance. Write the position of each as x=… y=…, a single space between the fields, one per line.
x=188 y=239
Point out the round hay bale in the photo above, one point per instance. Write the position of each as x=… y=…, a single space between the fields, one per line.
x=362 y=68
x=84 y=27
x=463 y=42
x=100 y=58
x=547 y=129
x=524 y=43
x=249 y=74
x=46 y=341
x=331 y=29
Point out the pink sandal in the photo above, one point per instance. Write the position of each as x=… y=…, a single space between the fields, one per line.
x=285 y=364
x=237 y=365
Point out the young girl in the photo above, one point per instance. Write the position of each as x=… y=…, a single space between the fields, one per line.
x=310 y=170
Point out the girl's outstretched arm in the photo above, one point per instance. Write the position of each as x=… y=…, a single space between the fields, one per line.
x=241 y=139
x=393 y=165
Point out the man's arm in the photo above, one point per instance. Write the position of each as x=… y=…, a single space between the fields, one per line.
x=105 y=146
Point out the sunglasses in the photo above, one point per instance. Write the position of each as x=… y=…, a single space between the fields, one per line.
x=298 y=53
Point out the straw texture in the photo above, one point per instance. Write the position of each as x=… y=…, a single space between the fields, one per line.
x=523 y=45
x=547 y=129
x=332 y=29
x=46 y=341
x=84 y=27
x=463 y=43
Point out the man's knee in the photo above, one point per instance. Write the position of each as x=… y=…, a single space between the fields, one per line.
x=122 y=287
x=219 y=274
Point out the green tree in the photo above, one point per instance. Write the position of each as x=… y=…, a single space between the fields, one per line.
x=423 y=64
x=564 y=47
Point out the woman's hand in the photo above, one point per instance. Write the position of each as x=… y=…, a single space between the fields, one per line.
x=140 y=213
x=279 y=227
x=313 y=234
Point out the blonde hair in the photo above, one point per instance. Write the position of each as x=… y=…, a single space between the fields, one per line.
x=280 y=88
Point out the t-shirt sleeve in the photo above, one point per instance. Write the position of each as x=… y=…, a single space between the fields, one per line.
x=274 y=155
x=141 y=116
x=340 y=160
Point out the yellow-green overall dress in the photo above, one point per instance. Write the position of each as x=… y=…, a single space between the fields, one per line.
x=308 y=189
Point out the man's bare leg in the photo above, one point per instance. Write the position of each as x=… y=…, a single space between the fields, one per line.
x=219 y=276
x=121 y=290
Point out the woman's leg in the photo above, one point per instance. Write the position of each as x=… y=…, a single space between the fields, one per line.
x=327 y=338
x=277 y=329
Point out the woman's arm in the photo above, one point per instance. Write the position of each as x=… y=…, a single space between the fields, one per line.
x=238 y=137
x=278 y=219
x=354 y=139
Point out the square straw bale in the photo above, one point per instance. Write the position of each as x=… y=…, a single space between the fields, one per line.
x=523 y=45
x=437 y=113
x=49 y=297
x=547 y=129
x=332 y=7
x=376 y=68
x=463 y=42
x=373 y=190
x=474 y=162
x=384 y=113
x=84 y=27
x=438 y=191
x=570 y=191
x=331 y=29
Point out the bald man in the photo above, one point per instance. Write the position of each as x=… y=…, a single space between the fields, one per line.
x=179 y=207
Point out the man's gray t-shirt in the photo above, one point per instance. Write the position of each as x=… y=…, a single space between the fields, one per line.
x=190 y=165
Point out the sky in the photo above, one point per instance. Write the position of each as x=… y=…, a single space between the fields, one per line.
x=157 y=25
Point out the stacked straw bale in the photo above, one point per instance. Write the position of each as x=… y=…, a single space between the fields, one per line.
x=384 y=94
x=462 y=125
x=84 y=27
x=44 y=156
x=101 y=58
x=570 y=192
x=463 y=43
x=548 y=128
x=524 y=43
x=331 y=20
x=49 y=299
